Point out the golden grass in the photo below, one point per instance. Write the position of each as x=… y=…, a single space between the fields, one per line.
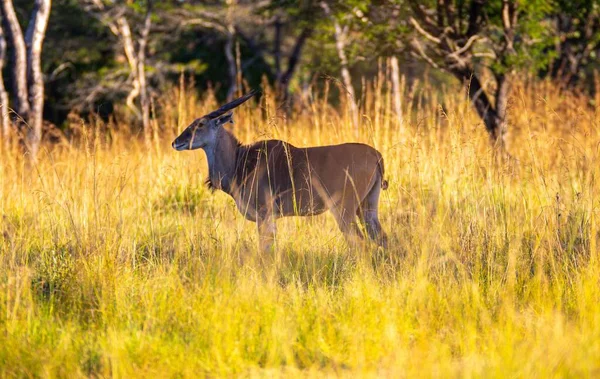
x=116 y=261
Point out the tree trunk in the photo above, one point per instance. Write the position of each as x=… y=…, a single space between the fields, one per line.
x=231 y=66
x=137 y=67
x=34 y=38
x=293 y=62
x=124 y=32
x=229 y=55
x=494 y=118
x=141 y=72
x=19 y=60
x=501 y=127
x=396 y=90
x=277 y=49
x=340 y=45
x=4 y=118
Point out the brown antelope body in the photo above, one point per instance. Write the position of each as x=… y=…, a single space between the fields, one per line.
x=272 y=179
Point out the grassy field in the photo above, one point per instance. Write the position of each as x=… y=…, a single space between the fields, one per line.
x=117 y=261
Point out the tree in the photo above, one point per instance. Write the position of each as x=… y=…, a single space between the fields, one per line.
x=117 y=18
x=28 y=80
x=576 y=25
x=395 y=66
x=34 y=38
x=341 y=37
x=220 y=18
x=447 y=34
x=292 y=25
x=18 y=68
x=468 y=39
x=250 y=23
x=4 y=114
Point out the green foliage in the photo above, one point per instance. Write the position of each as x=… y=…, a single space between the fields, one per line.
x=533 y=35
x=82 y=56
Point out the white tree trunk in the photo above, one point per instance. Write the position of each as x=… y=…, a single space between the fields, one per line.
x=137 y=66
x=340 y=45
x=396 y=90
x=34 y=38
x=4 y=119
x=141 y=72
x=231 y=65
x=124 y=32
x=14 y=36
x=277 y=49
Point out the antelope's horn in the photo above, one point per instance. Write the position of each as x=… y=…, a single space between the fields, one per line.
x=229 y=106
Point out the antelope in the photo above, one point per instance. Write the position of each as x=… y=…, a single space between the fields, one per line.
x=271 y=179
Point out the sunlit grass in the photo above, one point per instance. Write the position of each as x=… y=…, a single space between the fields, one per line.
x=117 y=261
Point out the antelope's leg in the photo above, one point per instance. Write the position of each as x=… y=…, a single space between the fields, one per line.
x=373 y=226
x=267 y=229
x=368 y=213
x=346 y=220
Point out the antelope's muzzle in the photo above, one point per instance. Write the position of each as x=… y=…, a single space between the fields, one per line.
x=179 y=146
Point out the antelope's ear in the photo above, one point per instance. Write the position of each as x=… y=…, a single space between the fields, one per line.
x=224 y=119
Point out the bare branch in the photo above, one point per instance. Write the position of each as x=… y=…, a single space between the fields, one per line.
x=428 y=23
x=206 y=24
x=490 y=55
x=127 y=39
x=508 y=22
x=467 y=45
x=61 y=67
x=423 y=32
x=416 y=46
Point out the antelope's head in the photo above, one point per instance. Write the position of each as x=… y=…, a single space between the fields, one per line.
x=203 y=131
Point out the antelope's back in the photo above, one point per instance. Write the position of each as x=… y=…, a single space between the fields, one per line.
x=351 y=165
x=309 y=180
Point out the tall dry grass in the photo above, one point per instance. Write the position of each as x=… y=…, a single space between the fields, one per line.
x=117 y=261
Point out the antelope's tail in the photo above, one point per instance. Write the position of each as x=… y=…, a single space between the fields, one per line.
x=384 y=183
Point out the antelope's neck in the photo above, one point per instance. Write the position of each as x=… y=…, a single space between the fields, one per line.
x=222 y=160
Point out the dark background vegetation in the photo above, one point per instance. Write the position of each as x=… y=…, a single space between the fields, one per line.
x=297 y=45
